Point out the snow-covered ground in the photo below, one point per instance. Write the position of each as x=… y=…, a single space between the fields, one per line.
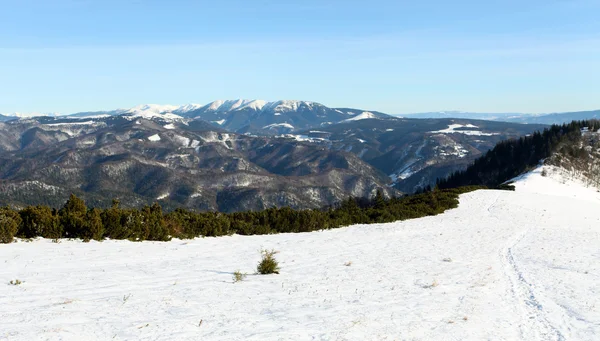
x=521 y=265
x=452 y=129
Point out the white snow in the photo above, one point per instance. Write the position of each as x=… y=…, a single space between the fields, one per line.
x=452 y=129
x=170 y=126
x=162 y=196
x=285 y=105
x=451 y=149
x=279 y=125
x=154 y=138
x=187 y=108
x=184 y=141
x=304 y=138
x=93 y=116
x=221 y=138
x=363 y=116
x=151 y=109
x=70 y=123
x=556 y=181
x=503 y=266
x=230 y=105
x=256 y=104
x=219 y=122
x=404 y=173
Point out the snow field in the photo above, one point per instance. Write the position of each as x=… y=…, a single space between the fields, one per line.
x=503 y=266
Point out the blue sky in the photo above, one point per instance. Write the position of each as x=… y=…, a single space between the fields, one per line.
x=392 y=56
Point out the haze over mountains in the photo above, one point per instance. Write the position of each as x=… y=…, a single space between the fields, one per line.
x=552 y=118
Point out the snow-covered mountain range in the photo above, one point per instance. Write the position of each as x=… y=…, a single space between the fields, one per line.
x=240 y=115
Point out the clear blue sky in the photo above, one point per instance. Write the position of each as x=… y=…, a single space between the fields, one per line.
x=394 y=56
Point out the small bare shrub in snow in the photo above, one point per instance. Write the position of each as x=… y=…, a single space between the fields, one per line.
x=348 y=263
x=238 y=276
x=447 y=260
x=433 y=284
x=268 y=263
x=15 y=282
x=544 y=172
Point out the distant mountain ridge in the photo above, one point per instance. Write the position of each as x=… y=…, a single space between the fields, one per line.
x=551 y=118
x=282 y=116
x=242 y=115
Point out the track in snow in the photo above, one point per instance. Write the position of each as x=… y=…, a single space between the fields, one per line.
x=534 y=324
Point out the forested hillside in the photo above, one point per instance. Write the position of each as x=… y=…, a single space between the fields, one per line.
x=511 y=158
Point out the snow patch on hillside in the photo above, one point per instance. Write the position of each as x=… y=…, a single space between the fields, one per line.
x=279 y=125
x=184 y=141
x=154 y=138
x=70 y=123
x=362 y=116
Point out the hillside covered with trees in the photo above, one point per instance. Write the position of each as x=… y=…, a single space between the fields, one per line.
x=513 y=157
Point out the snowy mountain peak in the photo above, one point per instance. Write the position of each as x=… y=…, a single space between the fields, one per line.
x=147 y=109
x=222 y=106
x=227 y=105
x=154 y=110
x=286 y=105
x=257 y=104
x=363 y=116
x=188 y=107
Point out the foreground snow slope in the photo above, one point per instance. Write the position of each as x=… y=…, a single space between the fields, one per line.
x=503 y=266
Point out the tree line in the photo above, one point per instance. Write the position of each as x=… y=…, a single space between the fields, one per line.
x=76 y=220
x=513 y=157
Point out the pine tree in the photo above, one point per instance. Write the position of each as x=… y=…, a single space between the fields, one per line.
x=40 y=221
x=93 y=227
x=9 y=224
x=72 y=217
